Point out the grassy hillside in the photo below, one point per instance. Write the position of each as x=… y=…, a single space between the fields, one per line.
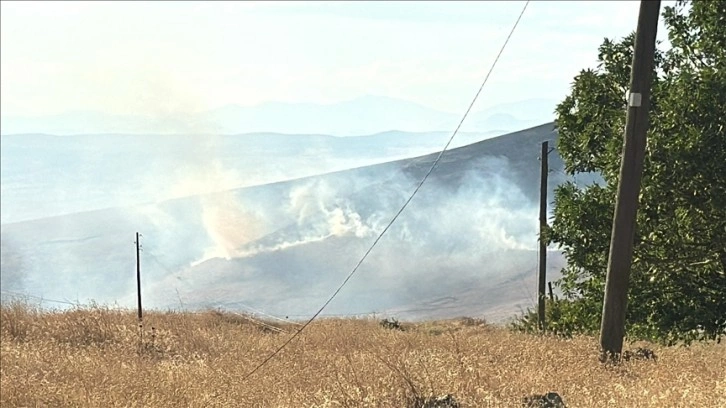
x=94 y=358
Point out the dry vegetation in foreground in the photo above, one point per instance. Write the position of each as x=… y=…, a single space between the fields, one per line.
x=93 y=358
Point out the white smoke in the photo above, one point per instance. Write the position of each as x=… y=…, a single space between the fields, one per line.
x=320 y=205
x=485 y=214
x=229 y=224
x=316 y=208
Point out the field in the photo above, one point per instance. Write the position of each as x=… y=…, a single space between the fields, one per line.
x=94 y=357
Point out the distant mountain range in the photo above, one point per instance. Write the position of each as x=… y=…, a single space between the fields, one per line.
x=361 y=116
x=465 y=245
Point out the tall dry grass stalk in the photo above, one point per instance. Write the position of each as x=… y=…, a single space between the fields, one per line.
x=92 y=358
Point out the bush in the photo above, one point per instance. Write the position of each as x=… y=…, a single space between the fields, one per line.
x=562 y=317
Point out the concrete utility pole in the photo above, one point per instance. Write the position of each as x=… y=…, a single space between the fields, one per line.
x=612 y=329
x=542 y=275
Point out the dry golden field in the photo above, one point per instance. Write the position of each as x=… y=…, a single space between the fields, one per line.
x=94 y=358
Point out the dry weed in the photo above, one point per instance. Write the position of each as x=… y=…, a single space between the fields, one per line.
x=97 y=358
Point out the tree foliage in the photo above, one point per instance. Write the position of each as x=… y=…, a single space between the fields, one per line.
x=677 y=284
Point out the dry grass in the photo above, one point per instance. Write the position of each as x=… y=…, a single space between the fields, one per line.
x=93 y=358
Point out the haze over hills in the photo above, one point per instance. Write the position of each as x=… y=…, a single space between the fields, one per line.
x=282 y=247
x=46 y=175
x=83 y=170
x=360 y=116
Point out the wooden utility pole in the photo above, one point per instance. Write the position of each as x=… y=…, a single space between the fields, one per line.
x=138 y=275
x=542 y=244
x=612 y=329
x=552 y=295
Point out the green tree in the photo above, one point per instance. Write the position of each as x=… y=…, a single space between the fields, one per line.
x=678 y=284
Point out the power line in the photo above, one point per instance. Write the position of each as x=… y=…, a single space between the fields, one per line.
x=158 y=262
x=40 y=298
x=252 y=310
x=249 y=308
x=405 y=204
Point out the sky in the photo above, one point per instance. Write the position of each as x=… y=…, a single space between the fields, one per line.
x=177 y=57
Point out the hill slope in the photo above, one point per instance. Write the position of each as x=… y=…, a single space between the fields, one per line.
x=469 y=234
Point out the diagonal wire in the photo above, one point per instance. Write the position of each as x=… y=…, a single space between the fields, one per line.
x=413 y=194
x=41 y=299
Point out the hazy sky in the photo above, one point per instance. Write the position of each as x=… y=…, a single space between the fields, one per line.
x=175 y=57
